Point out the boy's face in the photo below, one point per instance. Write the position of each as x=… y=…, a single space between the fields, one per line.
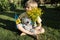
x=28 y=8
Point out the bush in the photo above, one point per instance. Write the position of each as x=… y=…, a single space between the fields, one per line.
x=7 y=5
x=4 y=4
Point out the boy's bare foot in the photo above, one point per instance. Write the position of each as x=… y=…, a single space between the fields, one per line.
x=22 y=34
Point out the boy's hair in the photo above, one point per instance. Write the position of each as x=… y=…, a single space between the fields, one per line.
x=31 y=3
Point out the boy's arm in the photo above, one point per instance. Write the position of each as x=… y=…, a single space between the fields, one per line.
x=39 y=21
x=23 y=30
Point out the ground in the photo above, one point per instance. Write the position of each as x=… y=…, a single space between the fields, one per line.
x=50 y=21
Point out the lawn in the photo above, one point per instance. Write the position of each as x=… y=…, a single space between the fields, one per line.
x=50 y=21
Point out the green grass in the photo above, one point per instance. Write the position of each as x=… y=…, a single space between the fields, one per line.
x=51 y=23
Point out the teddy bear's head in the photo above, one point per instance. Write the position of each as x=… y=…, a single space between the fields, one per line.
x=26 y=20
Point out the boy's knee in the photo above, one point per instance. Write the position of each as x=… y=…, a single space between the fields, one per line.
x=42 y=30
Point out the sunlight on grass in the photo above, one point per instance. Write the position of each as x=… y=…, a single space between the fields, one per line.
x=6 y=34
x=2 y=24
x=7 y=18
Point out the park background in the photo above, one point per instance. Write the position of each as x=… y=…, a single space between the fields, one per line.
x=50 y=19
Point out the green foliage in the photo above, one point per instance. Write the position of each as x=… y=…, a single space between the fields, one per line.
x=17 y=3
x=4 y=4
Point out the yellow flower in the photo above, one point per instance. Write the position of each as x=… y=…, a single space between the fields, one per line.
x=18 y=21
x=34 y=13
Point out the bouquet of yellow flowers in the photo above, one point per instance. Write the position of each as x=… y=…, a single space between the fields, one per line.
x=34 y=13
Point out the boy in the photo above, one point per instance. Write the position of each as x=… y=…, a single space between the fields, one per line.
x=25 y=25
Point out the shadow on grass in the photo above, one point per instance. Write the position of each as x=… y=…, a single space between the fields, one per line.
x=9 y=25
x=51 y=17
x=12 y=13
